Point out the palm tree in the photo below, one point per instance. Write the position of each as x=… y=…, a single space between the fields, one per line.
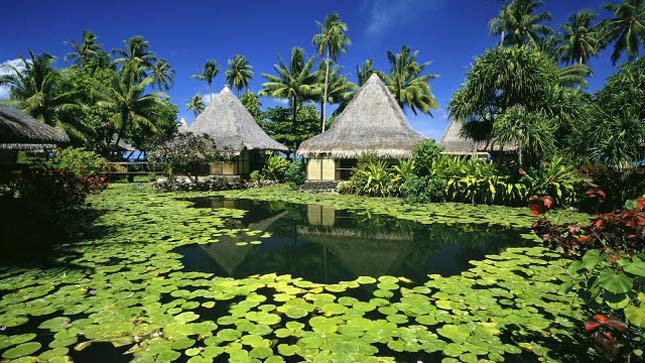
x=339 y=89
x=209 y=72
x=127 y=105
x=38 y=88
x=87 y=52
x=408 y=86
x=364 y=72
x=294 y=82
x=239 y=74
x=519 y=24
x=579 y=39
x=163 y=74
x=626 y=28
x=196 y=104
x=135 y=56
x=331 y=41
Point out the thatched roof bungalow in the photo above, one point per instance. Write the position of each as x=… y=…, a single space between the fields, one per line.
x=236 y=135
x=19 y=131
x=455 y=143
x=372 y=122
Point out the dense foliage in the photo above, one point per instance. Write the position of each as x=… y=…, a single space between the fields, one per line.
x=184 y=154
x=62 y=182
x=608 y=274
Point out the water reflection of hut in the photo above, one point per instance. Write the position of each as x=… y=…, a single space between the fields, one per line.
x=238 y=138
x=372 y=122
x=226 y=253
x=362 y=253
x=319 y=215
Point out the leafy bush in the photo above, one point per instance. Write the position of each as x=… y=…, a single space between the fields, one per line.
x=608 y=273
x=554 y=178
x=373 y=179
x=295 y=174
x=54 y=190
x=424 y=155
x=256 y=177
x=619 y=184
x=185 y=153
x=275 y=168
x=79 y=161
x=423 y=189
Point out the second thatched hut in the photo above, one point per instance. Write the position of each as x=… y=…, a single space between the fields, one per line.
x=237 y=137
x=372 y=122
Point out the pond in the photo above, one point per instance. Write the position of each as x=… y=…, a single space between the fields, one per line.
x=175 y=277
x=322 y=244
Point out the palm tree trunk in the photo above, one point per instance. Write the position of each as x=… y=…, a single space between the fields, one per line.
x=324 y=111
x=210 y=90
x=293 y=125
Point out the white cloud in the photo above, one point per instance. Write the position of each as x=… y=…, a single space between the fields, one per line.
x=386 y=14
x=17 y=63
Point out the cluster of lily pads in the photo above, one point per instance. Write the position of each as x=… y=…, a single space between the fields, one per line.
x=118 y=281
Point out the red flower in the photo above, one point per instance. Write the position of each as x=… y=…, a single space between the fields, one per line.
x=552 y=177
x=641 y=203
x=583 y=238
x=600 y=318
x=599 y=223
x=82 y=167
x=613 y=258
x=591 y=325
x=547 y=201
x=522 y=172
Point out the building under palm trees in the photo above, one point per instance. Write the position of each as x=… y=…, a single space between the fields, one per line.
x=455 y=142
x=21 y=132
x=240 y=142
x=372 y=122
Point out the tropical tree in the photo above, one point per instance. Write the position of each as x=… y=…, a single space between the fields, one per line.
x=579 y=39
x=339 y=89
x=129 y=109
x=196 y=104
x=239 y=73
x=135 y=56
x=331 y=41
x=88 y=52
x=162 y=74
x=519 y=24
x=517 y=94
x=363 y=72
x=626 y=28
x=209 y=71
x=40 y=92
x=294 y=82
x=408 y=86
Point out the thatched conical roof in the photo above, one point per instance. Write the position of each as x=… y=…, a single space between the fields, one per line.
x=231 y=126
x=19 y=131
x=455 y=143
x=373 y=121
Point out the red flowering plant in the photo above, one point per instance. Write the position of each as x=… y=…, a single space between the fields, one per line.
x=64 y=181
x=608 y=272
x=555 y=179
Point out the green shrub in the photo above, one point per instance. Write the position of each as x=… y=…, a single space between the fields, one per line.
x=423 y=189
x=554 y=178
x=424 y=155
x=275 y=168
x=295 y=174
x=78 y=161
x=256 y=177
x=377 y=179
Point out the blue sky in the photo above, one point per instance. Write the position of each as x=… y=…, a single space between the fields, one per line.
x=447 y=32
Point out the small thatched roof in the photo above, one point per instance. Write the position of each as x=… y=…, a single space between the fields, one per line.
x=19 y=131
x=373 y=121
x=121 y=146
x=231 y=126
x=182 y=126
x=455 y=143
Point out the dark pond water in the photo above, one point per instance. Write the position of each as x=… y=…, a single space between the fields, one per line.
x=322 y=244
